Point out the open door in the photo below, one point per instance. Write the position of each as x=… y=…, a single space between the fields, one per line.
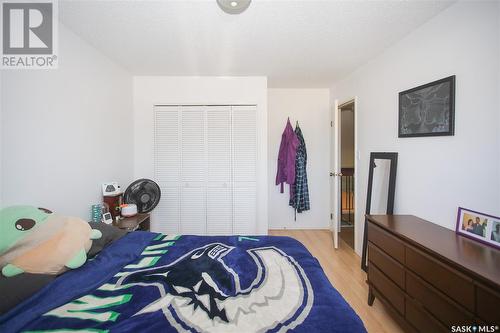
x=335 y=173
x=342 y=172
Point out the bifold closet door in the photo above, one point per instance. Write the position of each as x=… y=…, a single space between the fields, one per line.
x=219 y=167
x=167 y=167
x=244 y=129
x=193 y=171
x=205 y=163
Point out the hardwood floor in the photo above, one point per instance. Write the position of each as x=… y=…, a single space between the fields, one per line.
x=342 y=267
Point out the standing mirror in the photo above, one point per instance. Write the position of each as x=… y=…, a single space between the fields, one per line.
x=380 y=195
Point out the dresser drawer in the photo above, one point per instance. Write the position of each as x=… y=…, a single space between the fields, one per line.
x=436 y=303
x=488 y=305
x=446 y=279
x=388 y=289
x=420 y=319
x=387 y=242
x=391 y=268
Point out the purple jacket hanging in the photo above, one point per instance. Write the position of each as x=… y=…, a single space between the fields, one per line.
x=286 y=157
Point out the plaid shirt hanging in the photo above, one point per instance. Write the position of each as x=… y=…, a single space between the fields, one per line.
x=299 y=198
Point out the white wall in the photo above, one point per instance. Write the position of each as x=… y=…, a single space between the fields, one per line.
x=151 y=90
x=311 y=108
x=66 y=131
x=435 y=174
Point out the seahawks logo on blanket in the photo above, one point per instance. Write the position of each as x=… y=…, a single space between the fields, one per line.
x=200 y=291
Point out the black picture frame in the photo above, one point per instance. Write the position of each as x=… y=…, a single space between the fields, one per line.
x=393 y=157
x=442 y=105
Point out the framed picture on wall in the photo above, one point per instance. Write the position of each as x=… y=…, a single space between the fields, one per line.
x=428 y=110
x=478 y=226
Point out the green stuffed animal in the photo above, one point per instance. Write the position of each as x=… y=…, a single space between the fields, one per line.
x=35 y=240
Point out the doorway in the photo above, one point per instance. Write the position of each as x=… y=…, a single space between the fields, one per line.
x=343 y=171
x=347 y=153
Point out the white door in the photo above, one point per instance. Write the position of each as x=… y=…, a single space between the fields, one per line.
x=194 y=171
x=244 y=136
x=206 y=165
x=335 y=173
x=167 y=167
x=219 y=161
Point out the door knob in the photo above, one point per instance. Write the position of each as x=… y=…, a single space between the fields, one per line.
x=336 y=174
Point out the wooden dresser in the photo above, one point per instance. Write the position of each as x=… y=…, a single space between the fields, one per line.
x=429 y=277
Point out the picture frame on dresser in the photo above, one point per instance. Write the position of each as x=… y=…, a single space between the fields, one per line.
x=478 y=226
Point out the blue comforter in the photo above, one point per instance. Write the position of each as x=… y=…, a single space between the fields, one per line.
x=148 y=282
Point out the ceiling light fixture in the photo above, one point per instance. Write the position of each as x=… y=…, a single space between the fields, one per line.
x=234 y=6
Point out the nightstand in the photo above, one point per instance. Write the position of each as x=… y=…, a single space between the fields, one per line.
x=137 y=222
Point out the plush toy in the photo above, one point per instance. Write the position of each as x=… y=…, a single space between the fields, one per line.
x=34 y=240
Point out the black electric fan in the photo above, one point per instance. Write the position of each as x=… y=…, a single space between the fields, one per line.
x=145 y=193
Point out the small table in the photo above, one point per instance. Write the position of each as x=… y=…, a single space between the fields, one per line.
x=140 y=221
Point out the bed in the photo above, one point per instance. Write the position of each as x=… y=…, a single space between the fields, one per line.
x=148 y=282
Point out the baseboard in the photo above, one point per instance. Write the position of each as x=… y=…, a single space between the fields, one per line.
x=300 y=228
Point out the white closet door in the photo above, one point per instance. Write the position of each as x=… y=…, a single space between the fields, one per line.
x=219 y=187
x=244 y=134
x=206 y=165
x=193 y=170
x=167 y=167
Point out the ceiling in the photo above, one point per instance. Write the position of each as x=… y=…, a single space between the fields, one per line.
x=293 y=43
